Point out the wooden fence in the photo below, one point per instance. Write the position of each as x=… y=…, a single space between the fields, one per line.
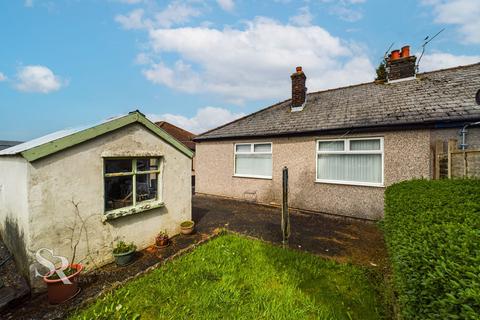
x=451 y=162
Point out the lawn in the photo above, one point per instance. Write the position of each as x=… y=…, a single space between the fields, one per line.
x=238 y=278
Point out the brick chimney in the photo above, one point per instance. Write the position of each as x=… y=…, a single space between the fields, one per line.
x=299 y=91
x=401 y=65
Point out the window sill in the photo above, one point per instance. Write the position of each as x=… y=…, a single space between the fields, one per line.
x=352 y=183
x=126 y=211
x=251 y=177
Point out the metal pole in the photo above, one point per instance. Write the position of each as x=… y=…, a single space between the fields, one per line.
x=285 y=213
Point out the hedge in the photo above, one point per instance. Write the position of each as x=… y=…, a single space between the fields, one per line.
x=432 y=230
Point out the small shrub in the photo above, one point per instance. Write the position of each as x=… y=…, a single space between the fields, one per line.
x=432 y=230
x=123 y=247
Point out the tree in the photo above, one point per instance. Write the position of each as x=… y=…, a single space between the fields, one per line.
x=381 y=72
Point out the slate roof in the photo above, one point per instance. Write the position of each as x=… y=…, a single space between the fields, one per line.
x=434 y=98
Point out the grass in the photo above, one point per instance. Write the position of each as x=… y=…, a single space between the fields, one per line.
x=232 y=277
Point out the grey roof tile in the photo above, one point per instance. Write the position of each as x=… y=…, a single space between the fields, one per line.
x=439 y=96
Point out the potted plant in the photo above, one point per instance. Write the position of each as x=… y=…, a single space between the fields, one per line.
x=124 y=253
x=186 y=227
x=162 y=240
x=62 y=283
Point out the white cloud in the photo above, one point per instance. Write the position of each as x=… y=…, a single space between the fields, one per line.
x=440 y=60
x=37 y=79
x=28 y=3
x=227 y=5
x=347 y=10
x=346 y=13
x=206 y=118
x=255 y=62
x=175 y=13
x=463 y=13
x=303 y=18
x=2 y=77
x=133 y=20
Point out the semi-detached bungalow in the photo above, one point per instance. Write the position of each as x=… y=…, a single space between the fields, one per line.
x=342 y=146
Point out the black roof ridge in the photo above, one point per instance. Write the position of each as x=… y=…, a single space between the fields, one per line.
x=200 y=136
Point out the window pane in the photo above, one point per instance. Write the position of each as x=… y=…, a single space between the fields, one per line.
x=331 y=146
x=118 y=165
x=264 y=147
x=118 y=192
x=365 y=144
x=147 y=164
x=350 y=167
x=243 y=148
x=254 y=164
x=147 y=186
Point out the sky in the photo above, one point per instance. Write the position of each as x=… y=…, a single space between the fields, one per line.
x=202 y=63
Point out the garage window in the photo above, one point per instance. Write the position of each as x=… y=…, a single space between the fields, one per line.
x=131 y=182
x=253 y=160
x=350 y=161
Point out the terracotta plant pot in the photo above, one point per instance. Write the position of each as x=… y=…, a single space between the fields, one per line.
x=125 y=258
x=186 y=227
x=162 y=242
x=58 y=291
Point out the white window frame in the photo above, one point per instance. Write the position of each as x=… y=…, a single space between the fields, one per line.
x=348 y=151
x=252 y=146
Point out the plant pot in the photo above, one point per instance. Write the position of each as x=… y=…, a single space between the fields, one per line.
x=186 y=227
x=58 y=291
x=161 y=242
x=123 y=259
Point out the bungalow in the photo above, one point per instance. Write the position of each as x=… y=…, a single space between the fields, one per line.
x=342 y=146
x=124 y=179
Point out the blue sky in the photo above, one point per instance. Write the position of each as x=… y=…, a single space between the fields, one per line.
x=201 y=63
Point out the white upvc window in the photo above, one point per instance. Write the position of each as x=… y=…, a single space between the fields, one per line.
x=355 y=161
x=253 y=160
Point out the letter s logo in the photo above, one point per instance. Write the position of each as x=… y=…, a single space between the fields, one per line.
x=50 y=266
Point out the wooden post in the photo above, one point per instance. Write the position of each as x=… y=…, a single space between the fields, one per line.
x=438 y=153
x=285 y=213
x=452 y=144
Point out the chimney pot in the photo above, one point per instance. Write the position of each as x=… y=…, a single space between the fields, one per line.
x=395 y=55
x=405 y=52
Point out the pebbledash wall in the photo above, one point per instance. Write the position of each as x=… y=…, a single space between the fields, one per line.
x=407 y=155
x=36 y=212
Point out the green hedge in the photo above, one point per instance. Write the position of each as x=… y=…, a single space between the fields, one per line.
x=432 y=230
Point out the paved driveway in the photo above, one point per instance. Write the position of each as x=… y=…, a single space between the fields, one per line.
x=341 y=239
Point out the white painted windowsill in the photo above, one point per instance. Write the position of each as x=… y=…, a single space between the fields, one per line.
x=252 y=176
x=351 y=183
x=126 y=211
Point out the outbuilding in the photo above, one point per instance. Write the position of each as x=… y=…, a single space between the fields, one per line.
x=123 y=179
